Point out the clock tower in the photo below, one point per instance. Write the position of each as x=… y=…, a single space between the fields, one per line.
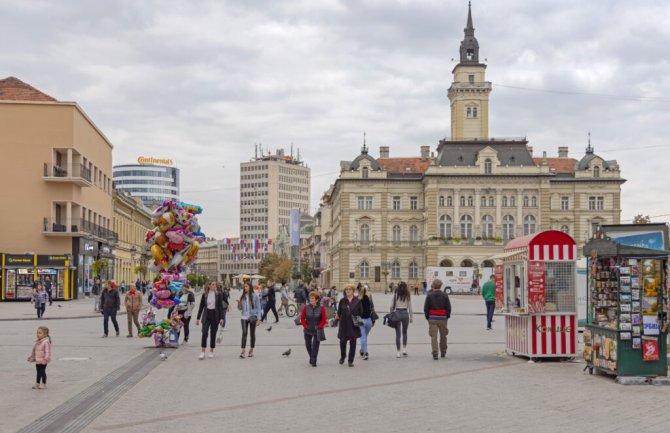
x=469 y=92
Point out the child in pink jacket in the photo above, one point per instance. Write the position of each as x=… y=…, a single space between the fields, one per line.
x=41 y=355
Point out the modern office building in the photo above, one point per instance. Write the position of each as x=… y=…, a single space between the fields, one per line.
x=391 y=217
x=152 y=180
x=55 y=172
x=270 y=186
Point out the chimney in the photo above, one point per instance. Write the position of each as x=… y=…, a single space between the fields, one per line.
x=563 y=152
x=383 y=151
x=425 y=152
x=530 y=150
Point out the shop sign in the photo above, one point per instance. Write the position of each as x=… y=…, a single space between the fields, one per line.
x=536 y=296
x=88 y=247
x=553 y=329
x=55 y=260
x=19 y=260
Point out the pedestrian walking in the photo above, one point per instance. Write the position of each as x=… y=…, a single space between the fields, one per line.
x=48 y=289
x=437 y=309
x=211 y=313
x=249 y=306
x=416 y=288
x=368 y=307
x=300 y=294
x=133 y=303
x=41 y=355
x=348 y=309
x=270 y=301
x=40 y=299
x=313 y=319
x=185 y=308
x=110 y=303
x=225 y=301
x=95 y=291
x=489 y=295
x=402 y=305
x=283 y=294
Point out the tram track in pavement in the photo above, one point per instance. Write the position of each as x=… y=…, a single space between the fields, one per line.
x=79 y=411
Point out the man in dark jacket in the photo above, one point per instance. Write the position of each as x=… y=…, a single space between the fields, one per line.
x=270 y=301
x=110 y=303
x=437 y=310
x=48 y=288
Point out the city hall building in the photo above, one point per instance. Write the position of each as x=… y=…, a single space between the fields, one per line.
x=391 y=217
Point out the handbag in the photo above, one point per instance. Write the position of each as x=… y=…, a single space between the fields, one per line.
x=219 y=336
x=358 y=321
x=393 y=318
x=373 y=314
x=321 y=333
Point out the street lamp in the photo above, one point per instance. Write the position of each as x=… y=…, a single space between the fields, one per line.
x=133 y=253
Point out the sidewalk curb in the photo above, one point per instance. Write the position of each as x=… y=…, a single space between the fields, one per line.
x=58 y=318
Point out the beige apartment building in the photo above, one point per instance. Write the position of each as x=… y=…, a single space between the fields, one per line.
x=56 y=172
x=208 y=260
x=270 y=186
x=390 y=218
x=132 y=220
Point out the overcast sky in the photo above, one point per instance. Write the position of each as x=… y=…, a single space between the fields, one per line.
x=200 y=82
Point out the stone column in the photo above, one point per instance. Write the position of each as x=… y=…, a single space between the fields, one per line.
x=519 y=212
x=476 y=229
x=498 y=221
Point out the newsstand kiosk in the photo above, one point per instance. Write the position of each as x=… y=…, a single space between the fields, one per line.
x=535 y=289
x=627 y=328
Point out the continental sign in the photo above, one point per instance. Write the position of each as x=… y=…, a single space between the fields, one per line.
x=151 y=160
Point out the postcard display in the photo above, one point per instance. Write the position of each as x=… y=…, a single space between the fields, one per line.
x=625 y=334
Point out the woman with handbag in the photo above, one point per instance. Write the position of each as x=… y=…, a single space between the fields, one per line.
x=313 y=319
x=250 y=309
x=349 y=317
x=212 y=316
x=402 y=307
x=368 y=311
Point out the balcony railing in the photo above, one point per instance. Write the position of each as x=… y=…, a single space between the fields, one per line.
x=77 y=228
x=79 y=173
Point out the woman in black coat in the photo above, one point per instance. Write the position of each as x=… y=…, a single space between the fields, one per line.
x=211 y=313
x=349 y=307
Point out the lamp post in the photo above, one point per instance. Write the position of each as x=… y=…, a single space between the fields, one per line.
x=133 y=253
x=386 y=265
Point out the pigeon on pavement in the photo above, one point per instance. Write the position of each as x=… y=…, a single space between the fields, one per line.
x=269 y=329
x=287 y=353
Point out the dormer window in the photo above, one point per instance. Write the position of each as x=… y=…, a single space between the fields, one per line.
x=512 y=160
x=365 y=172
x=596 y=171
x=487 y=166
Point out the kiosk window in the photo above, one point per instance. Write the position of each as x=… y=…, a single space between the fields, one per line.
x=560 y=286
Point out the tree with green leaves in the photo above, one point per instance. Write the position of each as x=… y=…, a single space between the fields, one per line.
x=641 y=219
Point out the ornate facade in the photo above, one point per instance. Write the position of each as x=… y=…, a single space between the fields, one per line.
x=390 y=218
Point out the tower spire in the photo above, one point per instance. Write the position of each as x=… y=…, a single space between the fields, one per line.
x=469 y=45
x=469 y=30
x=589 y=149
x=365 y=146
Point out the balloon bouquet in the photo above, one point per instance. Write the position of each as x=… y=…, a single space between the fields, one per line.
x=174 y=244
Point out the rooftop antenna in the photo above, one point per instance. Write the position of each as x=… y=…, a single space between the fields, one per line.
x=256 y=150
x=298 y=155
x=291 y=150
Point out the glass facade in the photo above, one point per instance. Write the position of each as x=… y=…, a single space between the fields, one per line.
x=153 y=184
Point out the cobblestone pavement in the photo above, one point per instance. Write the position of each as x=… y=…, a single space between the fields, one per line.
x=477 y=388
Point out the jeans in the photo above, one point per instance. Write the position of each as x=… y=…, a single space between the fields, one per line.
x=107 y=314
x=352 y=349
x=270 y=306
x=209 y=327
x=490 y=308
x=248 y=326
x=312 y=344
x=435 y=327
x=186 y=321
x=401 y=328
x=40 y=310
x=365 y=331
x=41 y=373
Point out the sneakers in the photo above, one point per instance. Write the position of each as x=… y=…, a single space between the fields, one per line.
x=129 y=336
x=117 y=333
x=398 y=355
x=404 y=352
x=242 y=356
x=488 y=329
x=202 y=356
x=351 y=364
x=341 y=361
x=104 y=335
x=443 y=355
x=210 y=355
x=435 y=357
x=36 y=386
x=365 y=356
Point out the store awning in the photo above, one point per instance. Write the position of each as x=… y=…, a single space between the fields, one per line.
x=503 y=255
x=548 y=245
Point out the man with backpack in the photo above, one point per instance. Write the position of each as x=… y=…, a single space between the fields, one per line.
x=437 y=310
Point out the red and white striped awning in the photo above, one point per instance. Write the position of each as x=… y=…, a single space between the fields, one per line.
x=550 y=245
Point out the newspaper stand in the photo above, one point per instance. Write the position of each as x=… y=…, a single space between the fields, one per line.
x=535 y=289
x=626 y=333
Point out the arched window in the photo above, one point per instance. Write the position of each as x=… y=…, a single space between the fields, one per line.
x=471 y=201
x=413 y=233
x=487 y=166
x=466 y=227
x=508 y=227
x=504 y=201
x=596 y=171
x=512 y=201
x=488 y=264
x=450 y=201
x=396 y=233
x=529 y=225
x=413 y=270
x=492 y=201
x=445 y=226
x=533 y=201
x=446 y=263
x=365 y=232
x=526 y=201
x=395 y=270
x=462 y=201
x=487 y=226
x=565 y=229
x=365 y=270
x=441 y=201
x=467 y=263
